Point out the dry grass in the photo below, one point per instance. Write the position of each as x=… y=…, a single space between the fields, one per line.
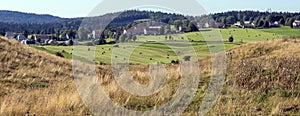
x=35 y=82
x=262 y=79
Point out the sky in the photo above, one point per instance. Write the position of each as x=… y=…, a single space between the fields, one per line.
x=82 y=8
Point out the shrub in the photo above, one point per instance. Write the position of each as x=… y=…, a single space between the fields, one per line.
x=230 y=39
x=59 y=54
x=187 y=58
x=116 y=46
x=175 y=61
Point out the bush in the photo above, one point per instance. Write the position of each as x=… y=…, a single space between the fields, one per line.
x=230 y=39
x=116 y=46
x=175 y=62
x=187 y=58
x=59 y=54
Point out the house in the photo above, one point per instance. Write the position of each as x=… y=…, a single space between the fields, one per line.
x=152 y=30
x=42 y=38
x=182 y=28
x=296 y=23
x=9 y=35
x=238 y=25
x=135 y=30
x=220 y=25
x=274 y=24
x=206 y=25
x=96 y=34
x=28 y=41
x=52 y=42
x=248 y=24
x=21 y=37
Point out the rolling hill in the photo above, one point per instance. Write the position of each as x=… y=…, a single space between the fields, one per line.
x=35 y=82
x=262 y=79
x=28 y=18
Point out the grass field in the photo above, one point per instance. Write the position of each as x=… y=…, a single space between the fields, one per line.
x=285 y=31
x=151 y=49
x=262 y=78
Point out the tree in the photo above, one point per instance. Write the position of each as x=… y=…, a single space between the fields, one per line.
x=191 y=27
x=162 y=30
x=290 y=22
x=134 y=38
x=266 y=24
x=282 y=21
x=212 y=23
x=230 y=39
x=177 y=23
x=230 y=20
x=242 y=22
x=71 y=42
x=187 y=58
x=260 y=23
x=83 y=33
x=26 y=33
x=123 y=38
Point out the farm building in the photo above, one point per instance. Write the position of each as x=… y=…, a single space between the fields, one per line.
x=28 y=41
x=220 y=25
x=248 y=24
x=274 y=24
x=96 y=34
x=296 y=23
x=9 y=35
x=182 y=28
x=42 y=38
x=135 y=30
x=152 y=30
x=21 y=37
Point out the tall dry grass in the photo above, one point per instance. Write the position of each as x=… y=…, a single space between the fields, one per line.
x=262 y=79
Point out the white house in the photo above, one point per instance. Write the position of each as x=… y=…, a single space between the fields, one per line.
x=296 y=23
x=248 y=24
x=152 y=30
x=9 y=35
x=28 y=41
x=206 y=25
x=21 y=37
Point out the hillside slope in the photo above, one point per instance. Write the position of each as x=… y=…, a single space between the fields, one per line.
x=35 y=82
x=22 y=18
x=262 y=79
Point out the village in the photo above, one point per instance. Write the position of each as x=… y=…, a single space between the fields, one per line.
x=141 y=29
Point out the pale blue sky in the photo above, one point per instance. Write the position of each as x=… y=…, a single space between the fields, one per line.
x=81 y=8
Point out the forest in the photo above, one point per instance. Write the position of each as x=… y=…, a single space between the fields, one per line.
x=117 y=22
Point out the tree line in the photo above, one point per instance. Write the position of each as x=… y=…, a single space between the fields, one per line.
x=260 y=19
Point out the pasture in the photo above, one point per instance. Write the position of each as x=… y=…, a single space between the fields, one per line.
x=165 y=48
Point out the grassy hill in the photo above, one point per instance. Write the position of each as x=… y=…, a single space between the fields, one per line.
x=33 y=81
x=262 y=79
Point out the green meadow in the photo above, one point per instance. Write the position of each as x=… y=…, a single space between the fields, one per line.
x=165 y=48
